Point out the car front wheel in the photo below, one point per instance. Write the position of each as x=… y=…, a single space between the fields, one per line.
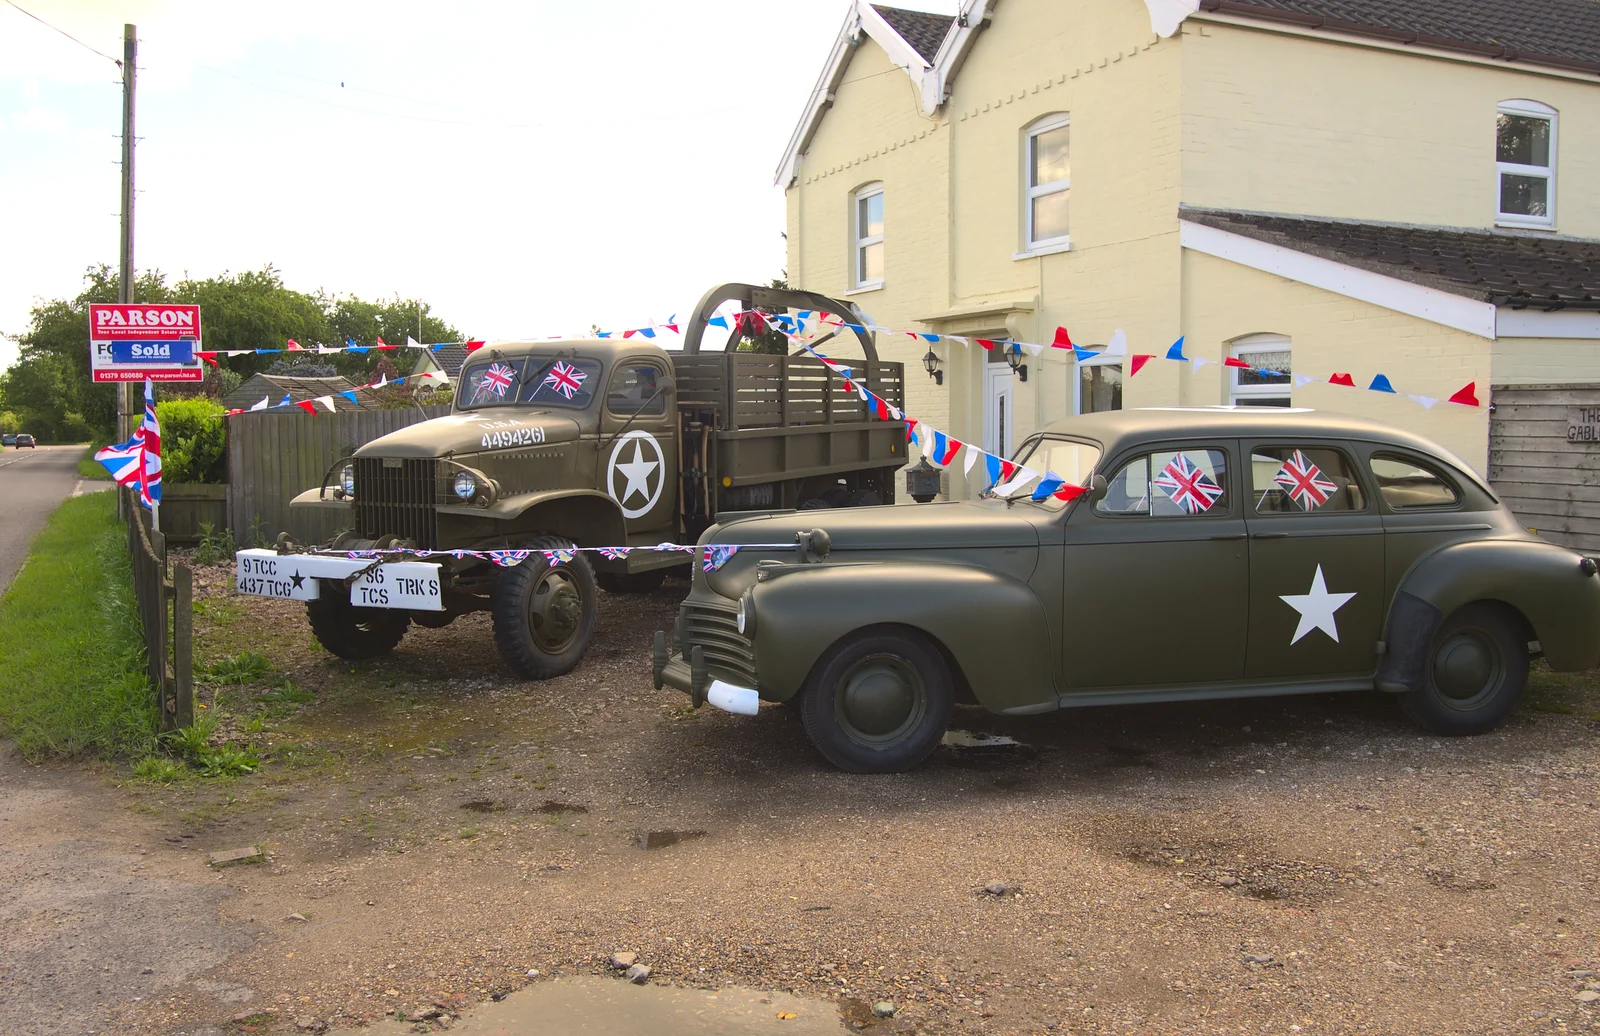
x=879 y=701
x=1476 y=669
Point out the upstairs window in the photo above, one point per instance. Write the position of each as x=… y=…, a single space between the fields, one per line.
x=1048 y=182
x=866 y=230
x=1525 y=164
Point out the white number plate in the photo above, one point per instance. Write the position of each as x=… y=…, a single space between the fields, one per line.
x=402 y=585
x=411 y=585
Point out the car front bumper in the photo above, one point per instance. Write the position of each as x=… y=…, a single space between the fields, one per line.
x=693 y=676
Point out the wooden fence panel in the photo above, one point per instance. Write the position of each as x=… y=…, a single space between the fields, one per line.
x=275 y=455
x=1547 y=478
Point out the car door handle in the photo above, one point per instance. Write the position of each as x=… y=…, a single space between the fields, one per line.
x=1269 y=535
x=1229 y=536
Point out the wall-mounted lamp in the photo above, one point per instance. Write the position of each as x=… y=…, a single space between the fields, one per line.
x=1014 y=360
x=930 y=363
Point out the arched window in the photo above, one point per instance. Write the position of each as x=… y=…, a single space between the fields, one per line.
x=1046 y=182
x=866 y=236
x=1267 y=381
x=1525 y=164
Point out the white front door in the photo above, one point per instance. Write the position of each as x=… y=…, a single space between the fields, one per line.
x=997 y=409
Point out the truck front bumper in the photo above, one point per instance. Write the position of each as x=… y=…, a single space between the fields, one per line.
x=408 y=585
x=671 y=669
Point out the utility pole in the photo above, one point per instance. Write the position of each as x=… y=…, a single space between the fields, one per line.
x=130 y=66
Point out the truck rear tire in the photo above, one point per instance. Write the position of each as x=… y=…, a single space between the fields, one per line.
x=631 y=582
x=355 y=633
x=544 y=614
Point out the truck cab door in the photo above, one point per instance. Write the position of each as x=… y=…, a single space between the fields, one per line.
x=639 y=451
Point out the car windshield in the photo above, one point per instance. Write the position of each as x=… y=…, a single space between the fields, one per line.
x=1068 y=459
x=559 y=381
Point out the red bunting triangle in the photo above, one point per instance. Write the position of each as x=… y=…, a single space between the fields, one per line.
x=987 y=343
x=384 y=345
x=1342 y=379
x=1467 y=396
x=1069 y=493
x=1234 y=361
x=210 y=356
x=1062 y=339
x=473 y=346
x=911 y=428
x=294 y=346
x=1137 y=362
x=1007 y=469
x=308 y=405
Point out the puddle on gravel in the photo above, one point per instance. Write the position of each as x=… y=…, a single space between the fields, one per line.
x=979 y=751
x=662 y=839
x=484 y=806
x=617 y=1008
x=554 y=807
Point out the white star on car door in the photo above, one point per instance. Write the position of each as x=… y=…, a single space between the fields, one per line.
x=1316 y=608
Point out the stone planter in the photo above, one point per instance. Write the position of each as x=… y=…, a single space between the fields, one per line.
x=185 y=507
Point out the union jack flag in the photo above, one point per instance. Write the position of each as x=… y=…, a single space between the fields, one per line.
x=1188 y=486
x=507 y=558
x=716 y=557
x=497 y=378
x=565 y=379
x=614 y=553
x=1304 y=482
x=149 y=451
x=123 y=460
x=558 y=557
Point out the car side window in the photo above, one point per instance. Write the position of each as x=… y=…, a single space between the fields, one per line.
x=631 y=389
x=1167 y=484
x=1303 y=480
x=1407 y=485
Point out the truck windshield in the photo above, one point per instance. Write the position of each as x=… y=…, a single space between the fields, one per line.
x=1071 y=460
x=558 y=381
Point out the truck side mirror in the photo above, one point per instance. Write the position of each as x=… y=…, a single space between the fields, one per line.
x=1097 y=488
x=666 y=384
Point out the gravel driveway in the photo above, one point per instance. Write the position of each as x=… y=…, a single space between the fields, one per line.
x=435 y=829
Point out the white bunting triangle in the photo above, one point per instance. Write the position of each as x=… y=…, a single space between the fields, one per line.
x=1022 y=478
x=327 y=401
x=261 y=405
x=412 y=343
x=1426 y=402
x=1304 y=379
x=1033 y=350
x=1119 y=343
x=972 y=457
x=1201 y=361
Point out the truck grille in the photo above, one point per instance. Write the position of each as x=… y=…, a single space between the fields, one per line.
x=397 y=501
x=728 y=655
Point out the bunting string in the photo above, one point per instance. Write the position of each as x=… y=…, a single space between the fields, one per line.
x=712 y=556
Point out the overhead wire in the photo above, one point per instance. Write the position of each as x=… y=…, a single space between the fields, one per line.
x=68 y=35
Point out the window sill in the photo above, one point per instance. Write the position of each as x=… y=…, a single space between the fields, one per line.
x=1052 y=248
x=864 y=288
x=1513 y=223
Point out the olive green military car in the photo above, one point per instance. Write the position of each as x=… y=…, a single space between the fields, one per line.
x=1218 y=553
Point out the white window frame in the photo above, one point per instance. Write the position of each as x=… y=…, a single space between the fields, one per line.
x=1030 y=191
x=859 y=241
x=1077 y=381
x=1528 y=110
x=1263 y=343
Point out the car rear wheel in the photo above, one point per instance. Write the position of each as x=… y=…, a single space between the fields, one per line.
x=544 y=614
x=351 y=632
x=879 y=701
x=1476 y=669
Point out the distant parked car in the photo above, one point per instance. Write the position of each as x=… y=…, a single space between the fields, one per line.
x=8 y=439
x=24 y=439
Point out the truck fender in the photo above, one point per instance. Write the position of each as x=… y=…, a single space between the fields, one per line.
x=990 y=626
x=585 y=516
x=1544 y=583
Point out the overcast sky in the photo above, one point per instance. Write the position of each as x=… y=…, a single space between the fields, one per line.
x=527 y=168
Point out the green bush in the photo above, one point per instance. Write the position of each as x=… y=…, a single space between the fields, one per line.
x=194 y=442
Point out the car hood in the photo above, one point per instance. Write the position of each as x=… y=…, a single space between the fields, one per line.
x=471 y=432
x=983 y=523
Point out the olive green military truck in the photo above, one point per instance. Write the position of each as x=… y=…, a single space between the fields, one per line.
x=591 y=443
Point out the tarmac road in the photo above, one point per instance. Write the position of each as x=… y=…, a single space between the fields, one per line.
x=32 y=484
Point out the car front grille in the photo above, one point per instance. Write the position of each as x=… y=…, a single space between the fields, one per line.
x=398 y=499
x=714 y=630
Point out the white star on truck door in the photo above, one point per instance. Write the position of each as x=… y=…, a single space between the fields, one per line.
x=637 y=472
x=1316 y=608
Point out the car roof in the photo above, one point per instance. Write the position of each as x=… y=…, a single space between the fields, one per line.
x=1116 y=429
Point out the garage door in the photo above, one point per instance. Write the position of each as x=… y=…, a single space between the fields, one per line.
x=1544 y=459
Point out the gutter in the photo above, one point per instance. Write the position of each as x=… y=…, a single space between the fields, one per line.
x=1494 y=51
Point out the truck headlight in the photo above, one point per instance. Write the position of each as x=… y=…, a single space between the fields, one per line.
x=745 y=618
x=466 y=485
x=347 y=479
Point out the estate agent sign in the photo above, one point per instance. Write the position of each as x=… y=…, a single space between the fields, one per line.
x=135 y=341
x=1583 y=424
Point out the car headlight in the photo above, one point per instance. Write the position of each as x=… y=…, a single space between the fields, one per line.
x=745 y=618
x=347 y=479
x=466 y=485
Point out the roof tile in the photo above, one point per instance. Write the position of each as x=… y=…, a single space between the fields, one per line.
x=923 y=30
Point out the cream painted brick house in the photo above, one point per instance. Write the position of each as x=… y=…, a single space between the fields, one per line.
x=1405 y=187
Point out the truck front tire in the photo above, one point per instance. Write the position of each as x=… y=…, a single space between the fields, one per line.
x=351 y=632
x=544 y=614
x=879 y=701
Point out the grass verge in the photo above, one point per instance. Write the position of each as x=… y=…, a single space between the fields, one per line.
x=73 y=681
x=88 y=467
